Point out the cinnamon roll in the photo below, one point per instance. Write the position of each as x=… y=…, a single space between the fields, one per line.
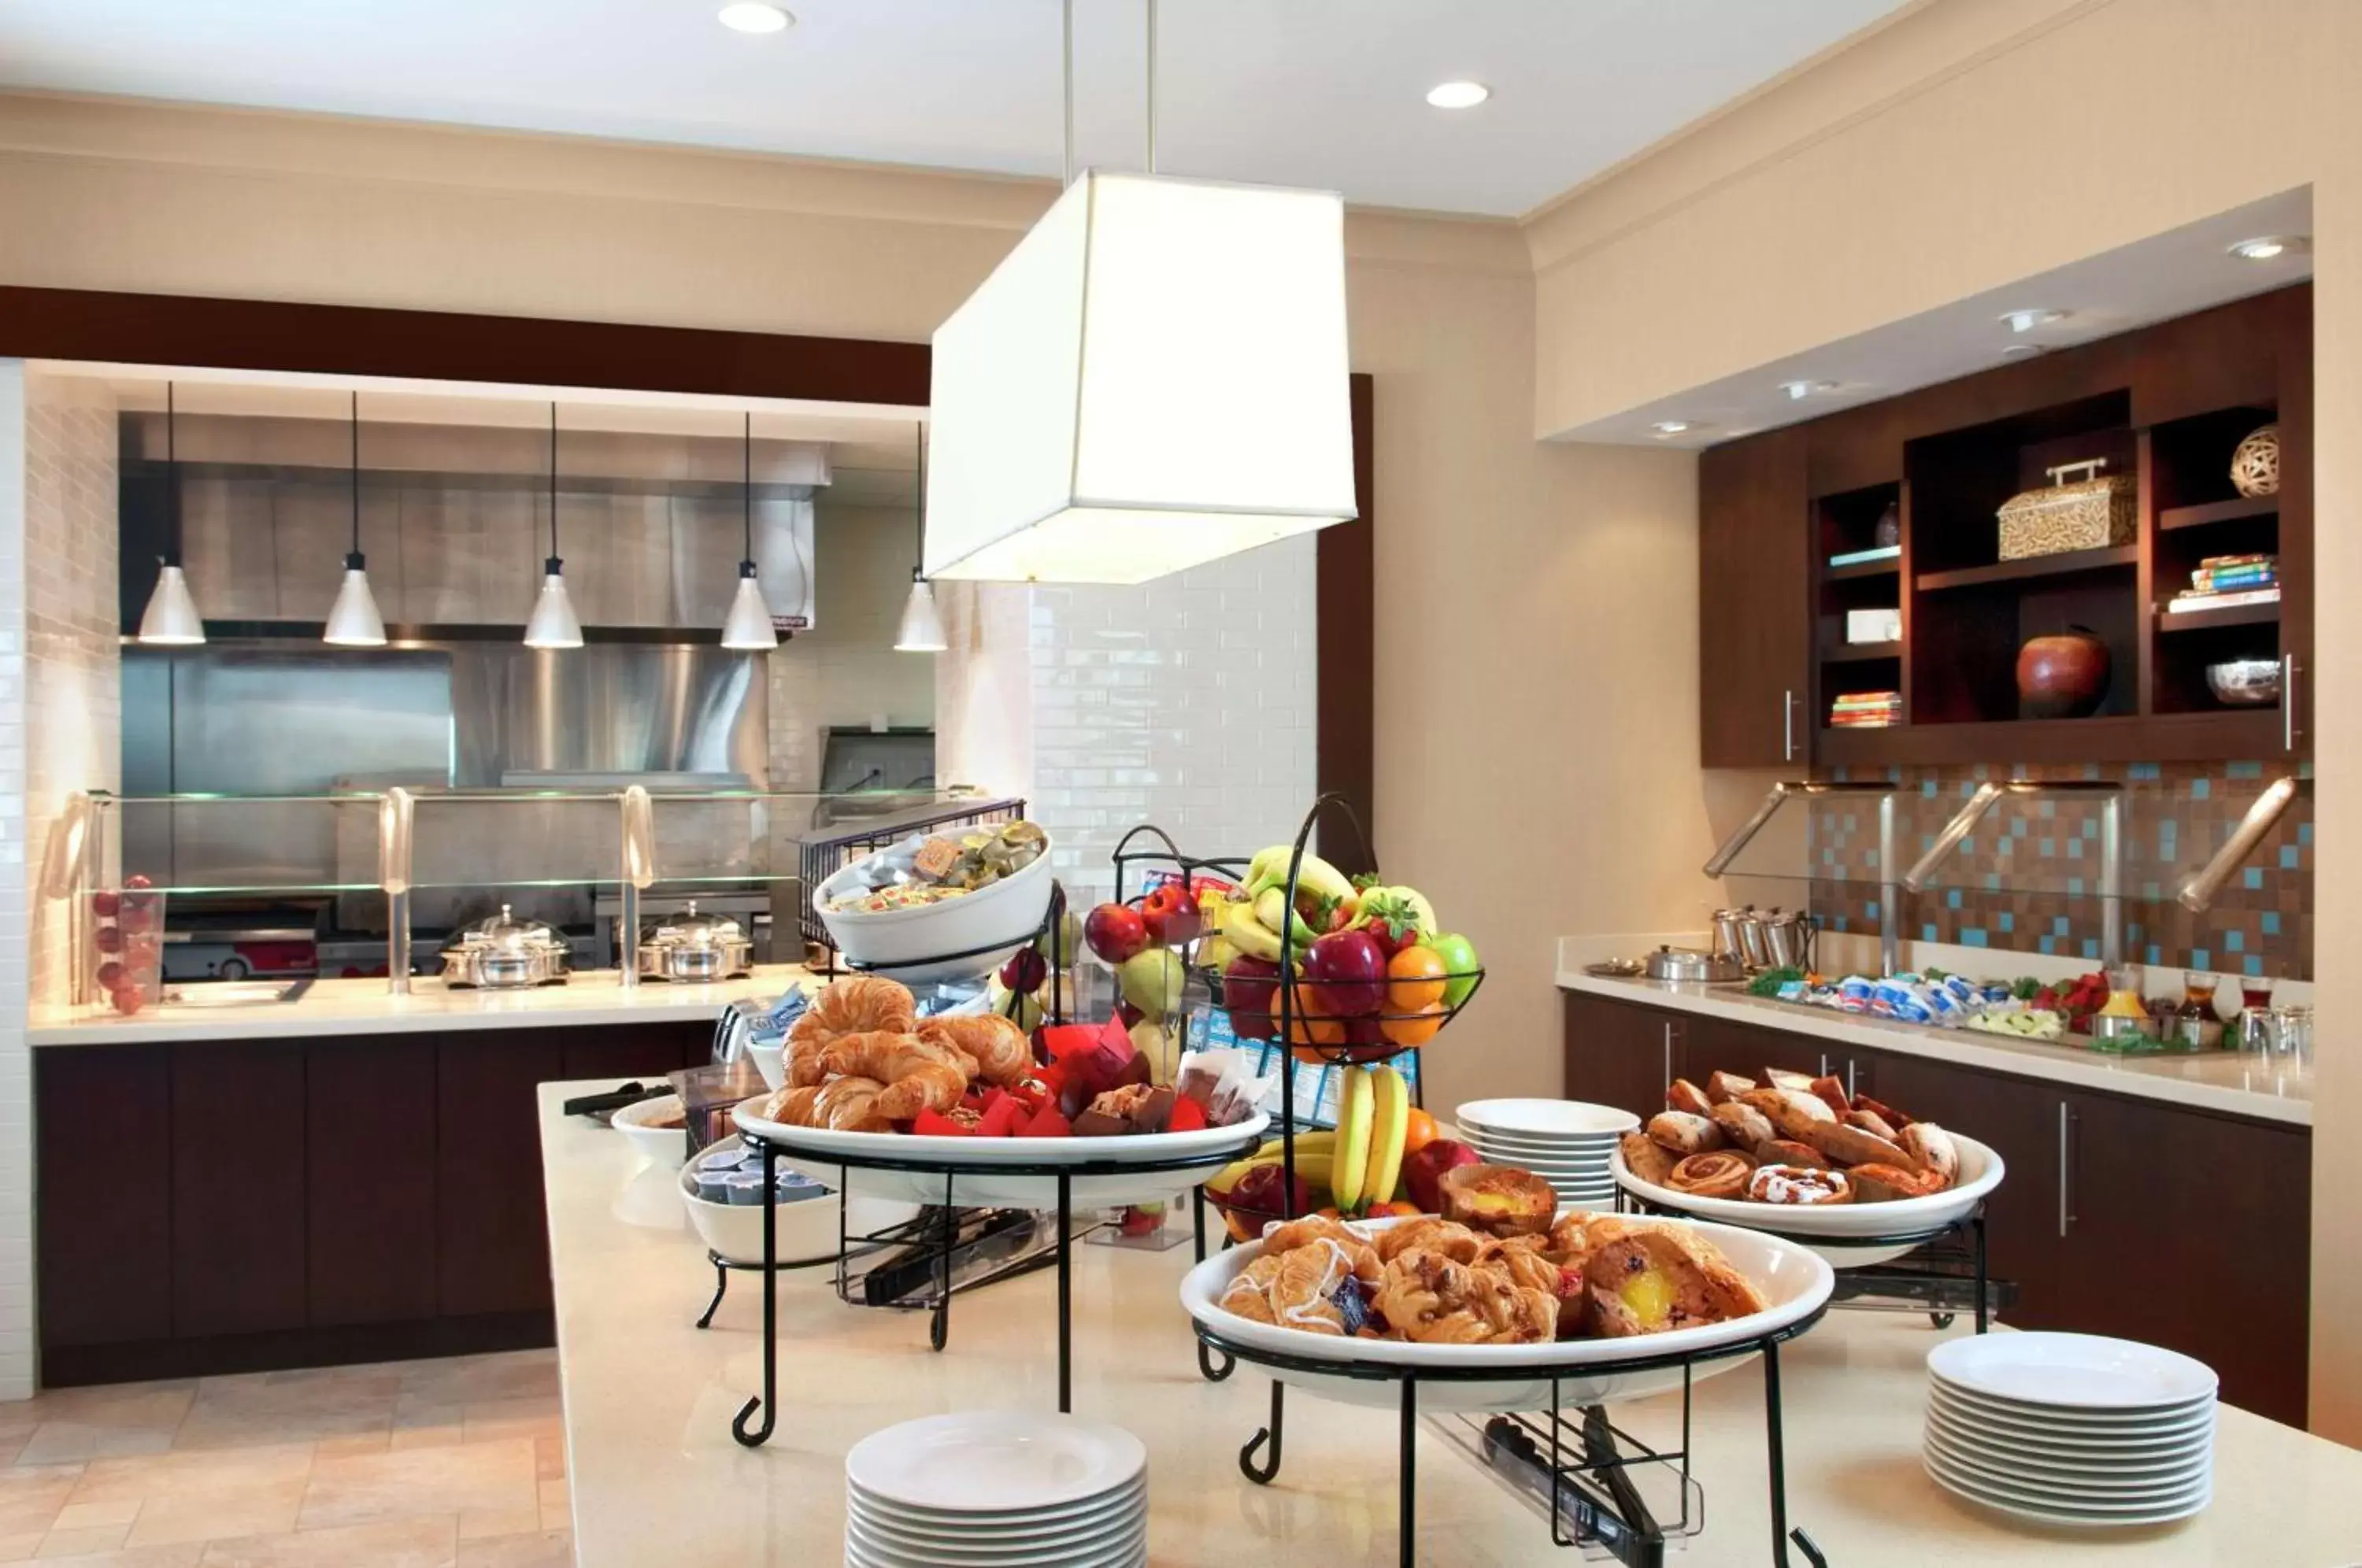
x=1723 y=1173
x=1799 y=1185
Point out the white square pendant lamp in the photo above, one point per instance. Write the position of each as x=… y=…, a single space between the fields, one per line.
x=1155 y=377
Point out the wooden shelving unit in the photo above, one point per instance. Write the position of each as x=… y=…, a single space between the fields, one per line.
x=2066 y=563
x=2170 y=624
x=2238 y=509
x=1857 y=653
x=1862 y=569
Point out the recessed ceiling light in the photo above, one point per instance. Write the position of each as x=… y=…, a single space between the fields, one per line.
x=750 y=17
x=2265 y=246
x=1671 y=426
x=1458 y=95
x=1799 y=390
x=2027 y=320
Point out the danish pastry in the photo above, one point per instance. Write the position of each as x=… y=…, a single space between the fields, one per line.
x=1647 y=1158
x=1447 y=1237
x=1725 y=1173
x=1930 y=1148
x=1649 y=1279
x=1744 y=1126
x=1791 y=1111
x=1249 y=1291
x=1884 y=1183
x=1684 y=1095
x=1800 y=1185
x=1289 y=1235
x=1685 y=1133
x=1721 y=1087
x=1500 y=1200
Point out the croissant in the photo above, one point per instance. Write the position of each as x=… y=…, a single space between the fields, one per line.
x=846 y=1105
x=927 y=1086
x=884 y=1056
x=854 y=1005
x=1001 y=1050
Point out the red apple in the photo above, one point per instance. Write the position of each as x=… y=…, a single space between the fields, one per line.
x=107 y=939
x=103 y=903
x=1423 y=1168
x=1025 y=971
x=1115 y=932
x=1170 y=912
x=110 y=975
x=1249 y=988
x=1262 y=1189
x=1345 y=973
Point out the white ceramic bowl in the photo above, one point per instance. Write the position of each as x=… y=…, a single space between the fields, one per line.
x=666 y=1147
x=770 y=1061
x=897 y=942
x=807 y=1229
x=1792 y=1279
x=807 y=1149
x=1836 y=1231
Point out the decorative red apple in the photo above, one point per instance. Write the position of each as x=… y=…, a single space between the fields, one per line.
x=107 y=939
x=1423 y=1168
x=1172 y=913
x=105 y=903
x=1025 y=971
x=1345 y=974
x=1115 y=932
x=1249 y=988
x=2063 y=676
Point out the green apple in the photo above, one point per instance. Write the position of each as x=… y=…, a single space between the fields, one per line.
x=1063 y=940
x=1025 y=1011
x=1152 y=981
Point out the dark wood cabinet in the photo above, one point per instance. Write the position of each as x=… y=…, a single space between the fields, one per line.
x=106 y=1225
x=1755 y=621
x=369 y=1179
x=2115 y=1211
x=492 y=1240
x=240 y=1225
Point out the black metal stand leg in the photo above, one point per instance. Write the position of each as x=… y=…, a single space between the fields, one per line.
x=1409 y=1485
x=1984 y=1314
x=939 y=1328
x=1065 y=1295
x=1262 y=1474
x=720 y=1285
x=1781 y=1534
x=1209 y=1368
x=767 y=1401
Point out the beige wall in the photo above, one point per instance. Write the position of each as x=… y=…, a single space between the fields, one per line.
x=1972 y=143
x=1536 y=764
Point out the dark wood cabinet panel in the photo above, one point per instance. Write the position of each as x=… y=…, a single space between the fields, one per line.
x=2162 y=1201
x=1616 y=1054
x=1721 y=1044
x=104 y=1242
x=238 y=1221
x=369 y=1179
x=492 y=1245
x=643 y=1052
x=1755 y=623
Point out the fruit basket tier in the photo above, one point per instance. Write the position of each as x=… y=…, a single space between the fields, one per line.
x=1308 y=1016
x=1013 y=1173
x=1462 y=1378
x=1850 y=1235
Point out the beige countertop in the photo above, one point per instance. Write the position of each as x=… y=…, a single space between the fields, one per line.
x=2217 y=1081
x=364 y=1007
x=656 y=1476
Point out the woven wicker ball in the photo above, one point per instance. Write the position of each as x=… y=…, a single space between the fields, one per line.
x=2255 y=466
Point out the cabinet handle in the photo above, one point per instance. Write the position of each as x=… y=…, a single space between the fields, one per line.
x=1669 y=1051
x=1788 y=724
x=2288 y=702
x=2066 y=1214
x=1849 y=1073
x=1825 y=1066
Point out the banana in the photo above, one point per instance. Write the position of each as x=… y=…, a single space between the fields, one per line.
x=1272 y=913
x=1386 y=1138
x=1349 y=1169
x=1250 y=935
x=1269 y=869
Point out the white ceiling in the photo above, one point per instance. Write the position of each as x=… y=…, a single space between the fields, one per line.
x=1329 y=94
x=2165 y=275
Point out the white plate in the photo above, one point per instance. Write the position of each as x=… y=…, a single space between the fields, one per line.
x=994 y=1461
x=2069 y=1372
x=888 y=941
x=2099 y=1446
x=667 y=1148
x=2102 y=1484
x=1125 y=1554
x=2064 y=1518
x=807 y=1149
x=1981 y=1171
x=1094 y=1539
x=1792 y=1279
x=1540 y=1163
x=2066 y=1501
x=2038 y=1421
x=966 y=1525
x=1601 y=1145
x=1545 y=1119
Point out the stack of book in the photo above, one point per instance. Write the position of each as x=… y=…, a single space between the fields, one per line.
x=2222 y=581
x=1865 y=710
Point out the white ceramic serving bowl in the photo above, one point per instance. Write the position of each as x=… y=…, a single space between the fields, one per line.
x=897 y=942
x=666 y=1147
x=770 y=1060
x=1792 y=1279
x=807 y=1149
x=807 y=1228
x=1835 y=1230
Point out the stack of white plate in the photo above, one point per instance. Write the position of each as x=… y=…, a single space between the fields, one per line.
x=997 y=1489
x=2071 y=1429
x=1564 y=1142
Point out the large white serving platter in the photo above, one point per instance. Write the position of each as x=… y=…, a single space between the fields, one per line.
x=1052 y=1523
x=2073 y=1373
x=1981 y=1171
x=994 y=1461
x=1794 y=1281
x=1550 y=1119
x=895 y=941
x=808 y=1150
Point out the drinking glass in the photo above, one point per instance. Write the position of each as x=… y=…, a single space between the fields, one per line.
x=2256 y=991
x=2257 y=1034
x=2292 y=1035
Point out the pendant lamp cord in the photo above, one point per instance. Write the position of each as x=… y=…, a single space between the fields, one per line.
x=1066 y=42
x=1069 y=39
x=172 y=467
x=747 y=489
x=919 y=506
x=552 y=482
x=357 y=473
x=1151 y=86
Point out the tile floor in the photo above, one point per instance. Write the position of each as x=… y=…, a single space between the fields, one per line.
x=455 y=1463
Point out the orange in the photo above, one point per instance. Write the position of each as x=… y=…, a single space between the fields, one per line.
x=1419 y=1131
x=1414 y=978
x=1306 y=1028
x=1417 y=1028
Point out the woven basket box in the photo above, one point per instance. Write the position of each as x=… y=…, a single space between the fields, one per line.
x=2089 y=514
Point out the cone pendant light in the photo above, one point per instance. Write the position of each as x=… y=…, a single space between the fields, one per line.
x=353 y=620
x=554 y=624
x=748 y=626
x=171 y=619
x=922 y=625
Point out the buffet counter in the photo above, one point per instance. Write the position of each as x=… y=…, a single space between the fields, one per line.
x=2217 y=1081
x=656 y=1478
x=330 y=1008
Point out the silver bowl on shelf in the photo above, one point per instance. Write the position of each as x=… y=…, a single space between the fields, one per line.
x=2245 y=682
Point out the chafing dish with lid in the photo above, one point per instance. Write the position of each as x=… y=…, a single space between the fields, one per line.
x=503 y=953
x=694 y=946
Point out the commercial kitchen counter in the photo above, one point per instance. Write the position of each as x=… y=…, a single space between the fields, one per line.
x=2218 y=1081
x=331 y=1008
x=656 y=1478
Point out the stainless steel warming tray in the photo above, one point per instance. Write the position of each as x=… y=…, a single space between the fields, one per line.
x=694 y=946
x=503 y=953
